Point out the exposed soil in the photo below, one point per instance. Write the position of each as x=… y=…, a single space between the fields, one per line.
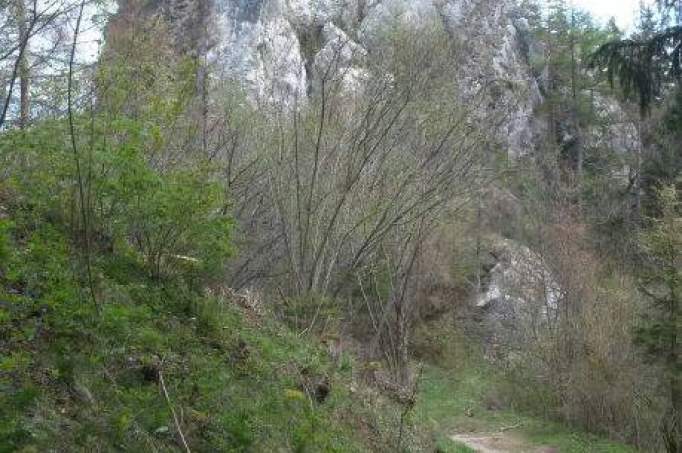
x=500 y=442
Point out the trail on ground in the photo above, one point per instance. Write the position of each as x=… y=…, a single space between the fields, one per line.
x=499 y=442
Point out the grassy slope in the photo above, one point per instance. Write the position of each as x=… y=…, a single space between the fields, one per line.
x=455 y=402
x=72 y=379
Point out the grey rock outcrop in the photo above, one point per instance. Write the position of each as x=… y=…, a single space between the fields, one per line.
x=521 y=296
x=276 y=48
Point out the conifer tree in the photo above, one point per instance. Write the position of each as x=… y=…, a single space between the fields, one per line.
x=662 y=286
x=647 y=63
x=567 y=34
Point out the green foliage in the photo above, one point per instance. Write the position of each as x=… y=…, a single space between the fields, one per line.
x=174 y=219
x=35 y=283
x=150 y=214
x=662 y=281
x=236 y=380
x=310 y=312
x=569 y=36
x=140 y=195
x=140 y=73
x=663 y=165
x=445 y=445
x=5 y=228
x=662 y=286
x=642 y=67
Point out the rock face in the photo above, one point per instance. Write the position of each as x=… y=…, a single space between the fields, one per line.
x=275 y=48
x=615 y=131
x=497 y=46
x=520 y=298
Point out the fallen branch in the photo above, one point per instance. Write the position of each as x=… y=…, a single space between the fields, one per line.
x=509 y=428
x=175 y=417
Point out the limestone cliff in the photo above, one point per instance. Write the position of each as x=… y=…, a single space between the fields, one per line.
x=274 y=48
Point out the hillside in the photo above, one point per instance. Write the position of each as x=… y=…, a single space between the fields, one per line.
x=157 y=360
x=339 y=225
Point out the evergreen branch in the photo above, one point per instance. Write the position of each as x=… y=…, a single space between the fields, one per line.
x=642 y=68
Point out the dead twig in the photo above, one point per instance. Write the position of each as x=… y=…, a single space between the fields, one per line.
x=162 y=383
x=509 y=428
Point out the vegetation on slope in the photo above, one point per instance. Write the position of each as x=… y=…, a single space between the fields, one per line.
x=155 y=359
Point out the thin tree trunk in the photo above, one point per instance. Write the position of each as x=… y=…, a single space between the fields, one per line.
x=574 y=92
x=76 y=156
x=22 y=47
x=24 y=74
x=637 y=182
x=479 y=216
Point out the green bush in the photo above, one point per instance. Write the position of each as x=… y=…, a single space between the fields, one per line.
x=176 y=220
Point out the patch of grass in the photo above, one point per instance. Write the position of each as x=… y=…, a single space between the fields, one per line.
x=454 y=400
x=446 y=445
x=572 y=441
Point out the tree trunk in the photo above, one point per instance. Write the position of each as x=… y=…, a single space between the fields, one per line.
x=24 y=72
x=637 y=175
x=479 y=225
x=574 y=96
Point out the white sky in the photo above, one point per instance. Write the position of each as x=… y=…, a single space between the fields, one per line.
x=625 y=11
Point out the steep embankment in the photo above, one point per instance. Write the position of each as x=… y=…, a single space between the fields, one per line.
x=157 y=364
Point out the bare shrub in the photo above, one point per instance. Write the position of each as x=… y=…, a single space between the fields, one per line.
x=337 y=195
x=587 y=361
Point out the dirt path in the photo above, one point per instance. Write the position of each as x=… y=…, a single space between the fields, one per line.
x=499 y=442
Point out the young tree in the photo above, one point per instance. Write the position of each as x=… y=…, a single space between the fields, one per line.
x=568 y=34
x=647 y=24
x=647 y=68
